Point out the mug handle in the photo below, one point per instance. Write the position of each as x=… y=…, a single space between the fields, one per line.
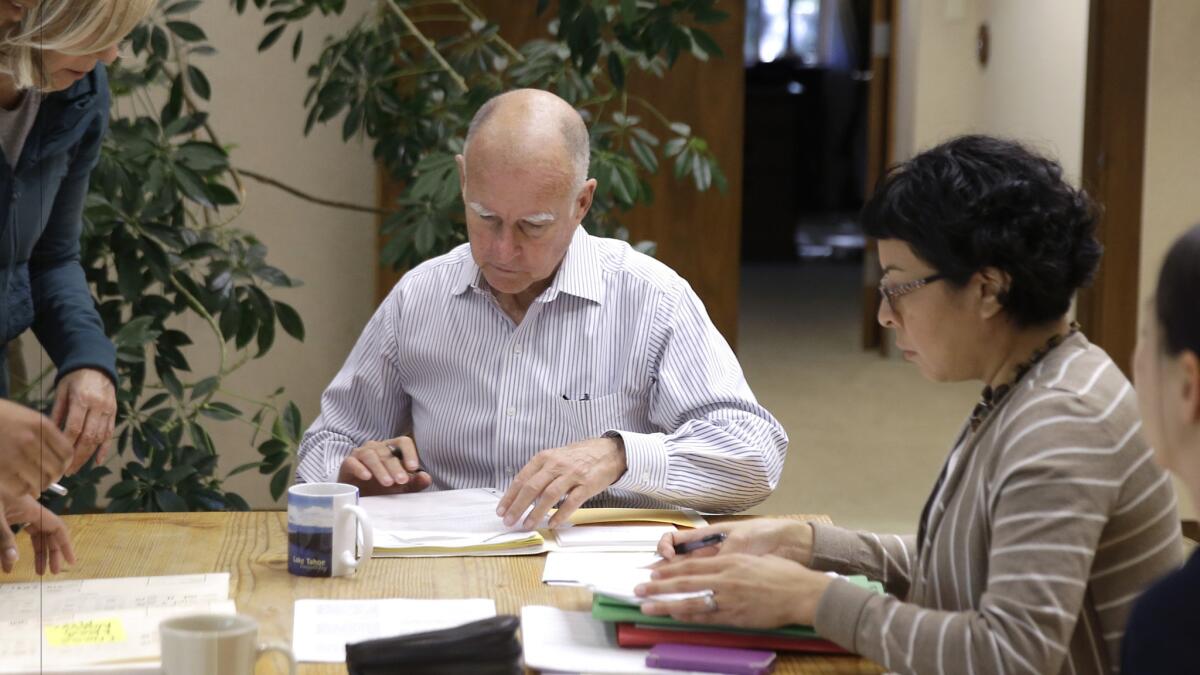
x=368 y=546
x=279 y=648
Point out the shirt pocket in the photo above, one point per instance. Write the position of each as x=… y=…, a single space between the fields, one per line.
x=591 y=417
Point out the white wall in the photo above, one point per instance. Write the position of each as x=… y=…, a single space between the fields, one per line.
x=1032 y=88
x=1171 y=202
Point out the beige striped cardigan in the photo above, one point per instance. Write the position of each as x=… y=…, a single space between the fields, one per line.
x=1052 y=517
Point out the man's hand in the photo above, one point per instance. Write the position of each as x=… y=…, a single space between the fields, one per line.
x=12 y=11
x=576 y=472
x=85 y=407
x=33 y=453
x=376 y=469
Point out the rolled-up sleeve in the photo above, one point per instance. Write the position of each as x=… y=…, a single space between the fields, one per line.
x=722 y=451
x=365 y=401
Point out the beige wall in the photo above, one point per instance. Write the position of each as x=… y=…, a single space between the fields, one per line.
x=257 y=106
x=1171 y=202
x=1031 y=89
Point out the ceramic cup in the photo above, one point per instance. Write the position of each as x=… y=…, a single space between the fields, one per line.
x=215 y=644
x=323 y=524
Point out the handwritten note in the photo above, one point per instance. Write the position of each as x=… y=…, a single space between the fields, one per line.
x=86 y=633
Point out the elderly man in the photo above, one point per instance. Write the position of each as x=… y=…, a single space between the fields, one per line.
x=543 y=360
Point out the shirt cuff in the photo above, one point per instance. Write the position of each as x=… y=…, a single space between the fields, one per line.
x=833 y=548
x=838 y=613
x=645 y=462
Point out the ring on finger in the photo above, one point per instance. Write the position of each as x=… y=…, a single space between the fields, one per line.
x=710 y=603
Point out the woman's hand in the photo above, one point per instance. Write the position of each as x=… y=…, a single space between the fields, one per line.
x=49 y=534
x=33 y=453
x=85 y=408
x=785 y=538
x=747 y=591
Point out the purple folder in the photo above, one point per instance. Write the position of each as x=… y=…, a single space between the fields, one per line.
x=711 y=659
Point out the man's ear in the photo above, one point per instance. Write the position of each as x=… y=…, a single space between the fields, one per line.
x=583 y=199
x=1190 y=365
x=462 y=175
x=992 y=285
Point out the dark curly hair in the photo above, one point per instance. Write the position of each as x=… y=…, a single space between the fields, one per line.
x=979 y=201
x=1175 y=300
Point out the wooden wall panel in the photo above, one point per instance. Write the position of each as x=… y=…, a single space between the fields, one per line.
x=698 y=234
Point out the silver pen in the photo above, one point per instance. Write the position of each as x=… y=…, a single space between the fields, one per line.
x=58 y=489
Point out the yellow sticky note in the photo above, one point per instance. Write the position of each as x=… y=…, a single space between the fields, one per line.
x=91 y=632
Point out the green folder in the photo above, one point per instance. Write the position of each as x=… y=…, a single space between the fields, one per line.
x=615 y=611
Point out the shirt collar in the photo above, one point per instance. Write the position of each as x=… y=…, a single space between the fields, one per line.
x=580 y=273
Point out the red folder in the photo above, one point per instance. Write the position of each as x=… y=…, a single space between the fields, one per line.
x=630 y=635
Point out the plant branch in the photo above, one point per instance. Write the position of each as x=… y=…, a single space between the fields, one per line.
x=467 y=7
x=198 y=307
x=652 y=110
x=429 y=46
x=296 y=192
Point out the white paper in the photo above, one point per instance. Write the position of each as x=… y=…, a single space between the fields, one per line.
x=619 y=584
x=443 y=518
x=125 y=611
x=322 y=628
x=564 y=642
x=568 y=568
x=638 y=537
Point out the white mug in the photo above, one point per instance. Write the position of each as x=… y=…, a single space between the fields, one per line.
x=322 y=534
x=214 y=644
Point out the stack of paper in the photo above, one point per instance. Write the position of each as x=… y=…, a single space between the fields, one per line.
x=99 y=624
x=322 y=628
x=559 y=641
x=443 y=523
x=568 y=568
x=464 y=523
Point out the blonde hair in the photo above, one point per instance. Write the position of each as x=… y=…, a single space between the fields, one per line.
x=74 y=27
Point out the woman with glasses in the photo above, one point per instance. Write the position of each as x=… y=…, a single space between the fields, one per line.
x=1048 y=516
x=1161 y=637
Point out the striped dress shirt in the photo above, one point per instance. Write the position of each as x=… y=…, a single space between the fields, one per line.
x=1050 y=520
x=617 y=343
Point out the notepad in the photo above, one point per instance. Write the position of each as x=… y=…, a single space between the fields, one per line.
x=560 y=641
x=568 y=568
x=100 y=624
x=321 y=628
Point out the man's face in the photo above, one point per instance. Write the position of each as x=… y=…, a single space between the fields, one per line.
x=520 y=221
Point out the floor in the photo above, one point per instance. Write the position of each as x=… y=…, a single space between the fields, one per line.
x=868 y=433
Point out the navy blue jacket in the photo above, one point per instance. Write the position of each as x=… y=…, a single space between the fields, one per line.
x=42 y=284
x=1163 y=635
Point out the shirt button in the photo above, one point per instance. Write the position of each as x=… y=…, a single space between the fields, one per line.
x=645 y=476
x=509 y=470
x=517 y=349
x=511 y=411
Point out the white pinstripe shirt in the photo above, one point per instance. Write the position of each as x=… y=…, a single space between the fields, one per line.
x=618 y=342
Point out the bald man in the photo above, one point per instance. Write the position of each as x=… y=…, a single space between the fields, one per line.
x=540 y=360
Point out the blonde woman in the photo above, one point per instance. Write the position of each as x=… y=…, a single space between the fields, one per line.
x=53 y=116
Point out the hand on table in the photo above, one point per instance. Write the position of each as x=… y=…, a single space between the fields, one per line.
x=33 y=453
x=49 y=534
x=748 y=591
x=85 y=408
x=572 y=474
x=376 y=470
x=785 y=538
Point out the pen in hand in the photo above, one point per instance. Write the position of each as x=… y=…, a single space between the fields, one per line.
x=689 y=546
x=58 y=489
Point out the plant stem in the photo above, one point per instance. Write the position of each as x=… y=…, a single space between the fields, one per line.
x=650 y=107
x=429 y=46
x=467 y=7
x=198 y=307
x=304 y=195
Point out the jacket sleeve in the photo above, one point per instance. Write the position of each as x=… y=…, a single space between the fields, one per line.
x=65 y=318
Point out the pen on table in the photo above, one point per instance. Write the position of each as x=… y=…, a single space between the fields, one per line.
x=689 y=546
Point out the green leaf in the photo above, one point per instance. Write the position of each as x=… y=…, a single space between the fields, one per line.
x=199 y=82
x=220 y=411
x=279 y=483
x=291 y=421
x=136 y=333
x=266 y=337
x=188 y=31
x=202 y=157
x=628 y=11
x=271 y=37
x=192 y=185
x=169 y=501
x=242 y=468
x=171 y=383
x=297 y=44
x=182 y=7
x=205 y=387
x=616 y=70
x=289 y=318
x=706 y=42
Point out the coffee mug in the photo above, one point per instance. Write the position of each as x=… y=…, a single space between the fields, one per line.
x=322 y=532
x=214 y=644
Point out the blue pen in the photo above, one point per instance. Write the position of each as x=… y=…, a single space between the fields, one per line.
x=689 y=546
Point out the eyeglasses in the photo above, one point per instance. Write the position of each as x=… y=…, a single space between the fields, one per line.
x=890 y=293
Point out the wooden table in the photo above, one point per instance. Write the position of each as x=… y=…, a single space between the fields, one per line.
x=252 y=547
